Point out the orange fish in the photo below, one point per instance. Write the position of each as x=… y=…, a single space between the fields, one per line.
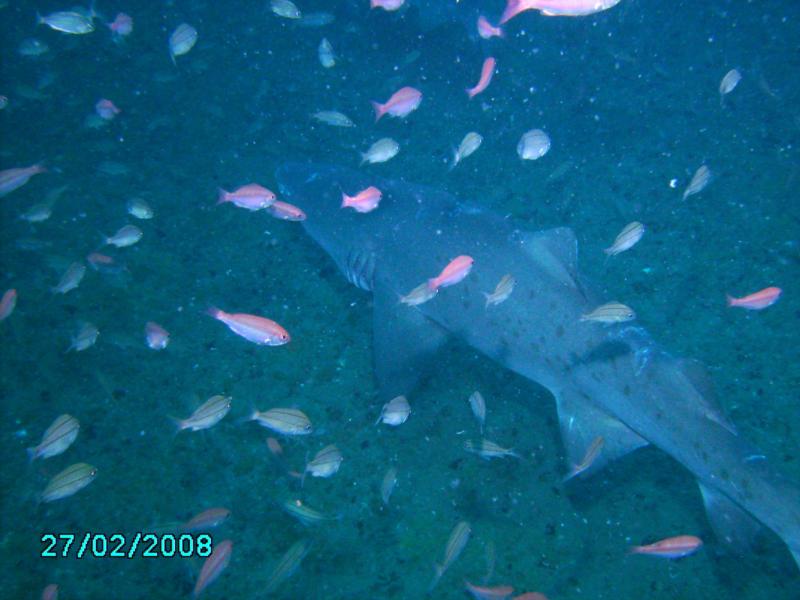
x=206 y=520
x=758 y=300
x=487 y=71
x=455 y=271
x=486 y=30
x=8 y=303
x=501 y=592
x=286 y=211
x=258 y=330
x=401 y=103
x=214 y=566
x=364 y=201
x=674 y=547
x=556 y=8
x=251 y=196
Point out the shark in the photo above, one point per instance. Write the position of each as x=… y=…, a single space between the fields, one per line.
x=611 y=381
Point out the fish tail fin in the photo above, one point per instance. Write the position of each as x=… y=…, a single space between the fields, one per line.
x=456 y=159
x=172 y=57
x=221 y=196
x=213 y=312
x=39 y=18
x=730 y=300
x=378 y=108
x=438 y=571
x=363 y=158
x=488 y=297
x=31 y=453
x=432 y=284
x=178 y=423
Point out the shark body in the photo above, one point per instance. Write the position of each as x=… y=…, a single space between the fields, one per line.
x=610 y=381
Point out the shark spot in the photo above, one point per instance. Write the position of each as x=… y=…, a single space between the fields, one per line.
x=626 y=390
x=560 y=331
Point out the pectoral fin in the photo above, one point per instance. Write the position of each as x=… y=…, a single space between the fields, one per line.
x=733 y=526
x=405 y=341
x=582 y=423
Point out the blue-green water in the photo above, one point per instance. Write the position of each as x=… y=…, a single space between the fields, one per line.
x=630 y=99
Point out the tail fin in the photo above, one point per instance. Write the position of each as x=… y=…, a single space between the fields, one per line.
x=378 y=107
x=730 y=300
x=221 y=196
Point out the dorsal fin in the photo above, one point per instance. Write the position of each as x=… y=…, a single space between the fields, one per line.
x=556 y=250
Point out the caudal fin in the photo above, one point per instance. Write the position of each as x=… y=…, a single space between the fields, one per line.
x=222 y=196
x=378 y=107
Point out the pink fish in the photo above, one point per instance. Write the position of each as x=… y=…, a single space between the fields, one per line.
x=206 y=520
x=106 y=109
x=556 y=8
x=364 y=201
x=674 y=547
x=214 y=566
x=455 y=271
x=486 y=30
x=11 y=179
x=286 y=211
x=122 y=25
x=258 y=330
x=7 y=304
x=389 y=5
x=758 y=300
x=157 y=337
x=251 y=196
x=99 y=261
x=486 y=77
x=402 y=102
x=50 y=592
x=501 y=592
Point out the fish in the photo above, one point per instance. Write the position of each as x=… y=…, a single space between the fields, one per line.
x=729 y=82
x=419 y=295
x=502 y=290
x=213 y=566
x=556 y=8
x=592 y=452
x=364 y=201
x=38 y=212
x=67 y=21
x=471 y=142
x=303 y=513
x=316 y=19
x=487 y=71
x=334 y=118
x=68 y=482
x=56 y=438
x=388 y=484
x=327 y=58
x=126 y=236
x=286 y=211
x=259 y=330
x=478 y=406
x=156 y=336
x=387 y=5
x=251 y=197
x=285 y=9
x=395 y=412
x=533 y=145
x=288 y=564
x=616 y=382
x=610 y=312
x=32 y=47
x=208 y=519
x=381 y=151
x=400 y=104
x=181 y=41
x=101 y=262
x=50 y=592
x=208 y=414
x=139 y=209
x=757 y=300
x=486 y=30
x=7 y=303
x=106 y=109
x=71 y=278
x=85 y=337
x=325 y=463
x=455 y=545
x=700 y=179
x=455 y=271
x=488 y=450
x=121 y=26
x=501 y=592
x=626 y=239
x=13 y=179
x=288 y=421
x=674 y=547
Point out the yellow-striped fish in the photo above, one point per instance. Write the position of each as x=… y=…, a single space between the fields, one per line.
x=288 y=564
x=626 y=239
x=591 y=454
x=488 y=450
x=56 y=438
x=325 y=463
x=611 y=312
x=503 y=290
x=304 y=513
x=67 y=482
x=288 y=421
x=455 y=544
x=208 y=414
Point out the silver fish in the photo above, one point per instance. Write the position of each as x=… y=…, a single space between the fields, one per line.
x=85 y=338
x=471 y=142
x=455 y=544
x=182 y=40
x=285 y=9
x=502 y=291
x=208 y=414
x=699 y=181
x=56 y=438
x=288 y=421
x=71 y=278
x=627 y=238
x=67 y=22
x=611 y=312
x=388 y=484
x=381 y=151
x=334 y=118
x=395 y=412
x=288 y=564
x=325 y=52
x=325 y=463
x=478 y=406
x=72 y=479
x=533 y=144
